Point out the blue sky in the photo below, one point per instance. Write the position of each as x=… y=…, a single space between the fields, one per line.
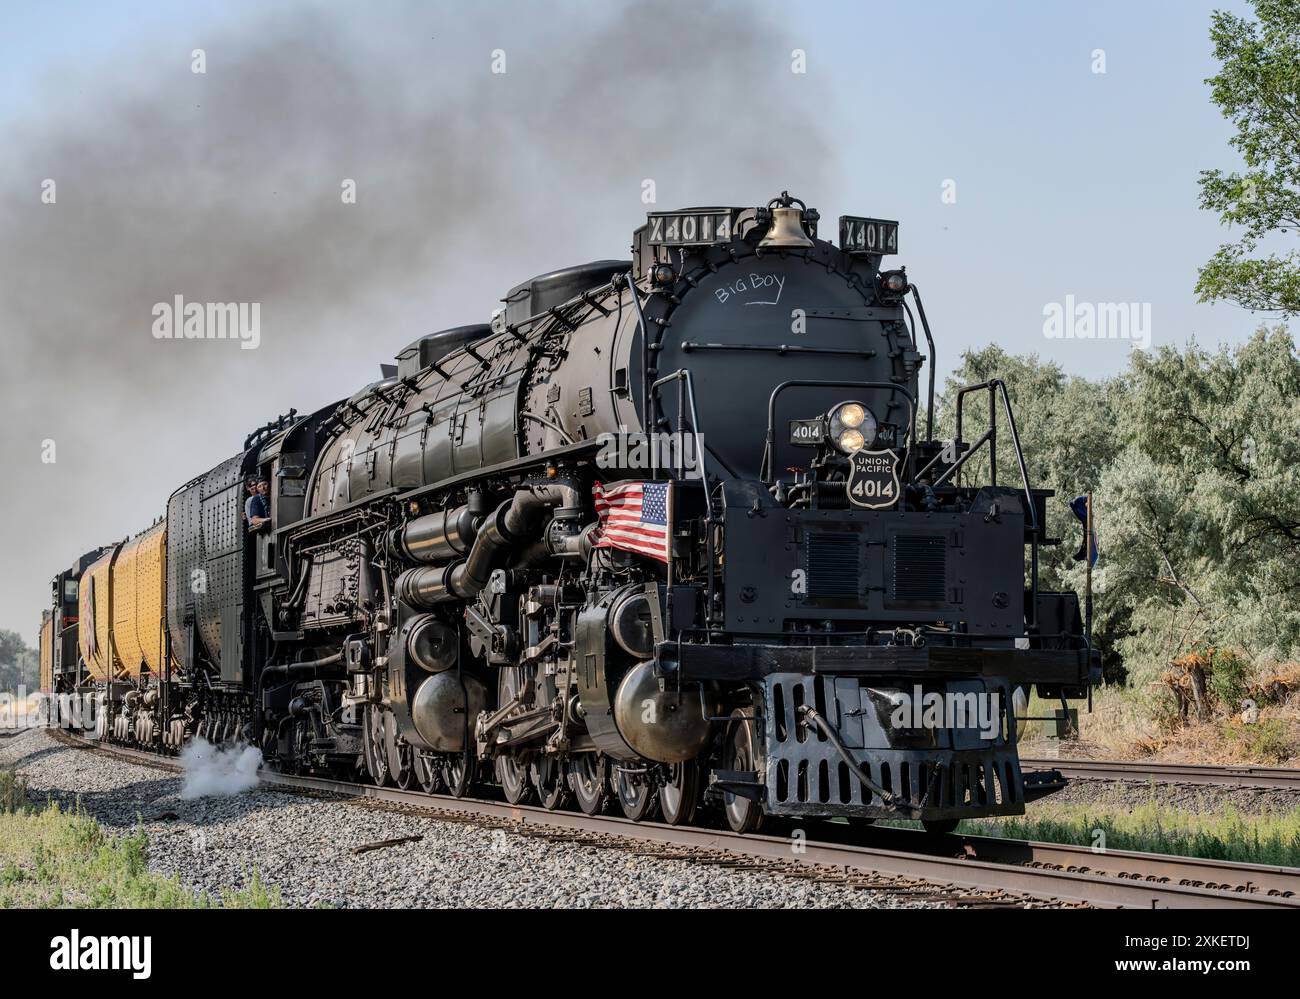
x=1068 y=182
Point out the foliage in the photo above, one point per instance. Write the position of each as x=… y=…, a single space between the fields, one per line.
x=13 y=793
x=1202 y=507
x=1194 y=460
x=55 y=859
x=19 y=665
x=1258 y=90
x=1270 y=740
x=1269 y=838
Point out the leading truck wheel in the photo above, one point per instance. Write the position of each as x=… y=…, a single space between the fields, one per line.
x=678 y=797
x=939 y=827
x=743 y=814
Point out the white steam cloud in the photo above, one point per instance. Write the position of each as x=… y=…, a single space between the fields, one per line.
x=210 y=770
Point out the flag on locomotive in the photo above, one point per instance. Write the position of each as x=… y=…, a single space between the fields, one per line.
x=636 y=517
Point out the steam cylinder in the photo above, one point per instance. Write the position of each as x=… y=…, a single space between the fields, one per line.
x=666 y=726
x=442 y=710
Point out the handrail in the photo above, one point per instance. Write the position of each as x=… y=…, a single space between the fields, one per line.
x=646 y=387
x=686 y=388
x=995 y=386
x=683 y=375
x=925 y=325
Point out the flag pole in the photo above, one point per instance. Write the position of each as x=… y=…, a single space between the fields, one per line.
x=1087 y=554
x=668 y=590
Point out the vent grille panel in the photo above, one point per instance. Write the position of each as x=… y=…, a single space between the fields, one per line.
x=833 y=564
x=920 y=567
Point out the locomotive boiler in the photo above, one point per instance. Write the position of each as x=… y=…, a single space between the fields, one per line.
x=671 y=532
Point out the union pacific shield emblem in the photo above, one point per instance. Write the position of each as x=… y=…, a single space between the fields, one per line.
x=873 y=479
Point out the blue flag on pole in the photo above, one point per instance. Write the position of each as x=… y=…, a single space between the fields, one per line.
x=1080 y=507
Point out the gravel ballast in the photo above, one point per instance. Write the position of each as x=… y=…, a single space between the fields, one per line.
x=302 y=846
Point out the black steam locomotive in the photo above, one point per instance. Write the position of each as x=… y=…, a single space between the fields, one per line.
x=664 y=532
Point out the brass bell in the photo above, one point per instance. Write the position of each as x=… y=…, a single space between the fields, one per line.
x=786 y=230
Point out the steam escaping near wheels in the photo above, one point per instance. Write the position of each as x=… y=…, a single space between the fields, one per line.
x=214 y=772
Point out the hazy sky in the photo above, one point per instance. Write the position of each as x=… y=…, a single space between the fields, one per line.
x=225 y=186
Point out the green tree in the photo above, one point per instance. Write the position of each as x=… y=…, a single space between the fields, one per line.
x=1258 y=90
x=13 y=659
x=1201 y=510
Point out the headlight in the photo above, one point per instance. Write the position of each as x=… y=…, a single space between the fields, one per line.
x=852 y=426
x=851 y=440
x=852 y=415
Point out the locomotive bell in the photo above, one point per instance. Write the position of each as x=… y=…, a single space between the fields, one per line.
x=667 y=726
x=786 y=229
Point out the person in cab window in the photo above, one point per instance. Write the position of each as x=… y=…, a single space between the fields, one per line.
x=250 y=490
x=257 y=508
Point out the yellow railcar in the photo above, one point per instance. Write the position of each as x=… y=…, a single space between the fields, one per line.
x=139 y=595
x=47 y=652
x=95 y=612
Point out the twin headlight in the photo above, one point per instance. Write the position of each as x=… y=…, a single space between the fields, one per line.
x=851 y=426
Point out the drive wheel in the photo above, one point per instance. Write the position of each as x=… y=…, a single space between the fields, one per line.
x=589 y=778
x=375 y=745
x=637 y=798
x=743 y=814
x=679 y=797
x=458 y=774
x=512 y=775
x=547 y=774
x=939 y=827
x=427 y=773
x=405 y=775
x=511 y=772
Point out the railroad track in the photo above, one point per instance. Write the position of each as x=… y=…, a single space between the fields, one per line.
x=964 y=870
x=1271 y=778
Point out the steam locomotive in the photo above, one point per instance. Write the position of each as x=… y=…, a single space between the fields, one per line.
x=665 y=533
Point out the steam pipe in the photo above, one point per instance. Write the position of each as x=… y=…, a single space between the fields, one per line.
x=435 y=537
x=304 y=667
x=515 y=521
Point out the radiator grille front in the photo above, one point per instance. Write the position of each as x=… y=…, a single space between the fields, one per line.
x=833 y=565
x=920 y=567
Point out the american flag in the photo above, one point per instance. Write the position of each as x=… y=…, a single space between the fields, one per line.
x=635 y=516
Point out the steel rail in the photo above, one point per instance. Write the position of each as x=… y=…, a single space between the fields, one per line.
x=1242 y=775
x=1051 y=871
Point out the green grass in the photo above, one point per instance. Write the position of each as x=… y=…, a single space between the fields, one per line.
x=1269 y=739
x=1267 y=838
x=50 y=858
